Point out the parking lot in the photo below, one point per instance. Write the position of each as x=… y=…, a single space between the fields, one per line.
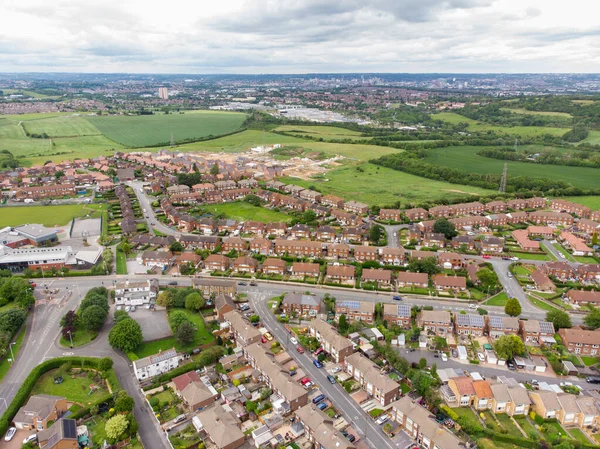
x=154 y=324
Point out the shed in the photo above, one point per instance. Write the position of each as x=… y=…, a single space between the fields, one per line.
x=422 y=341
x=570 y=368
x=540 y=364
x=491 y=357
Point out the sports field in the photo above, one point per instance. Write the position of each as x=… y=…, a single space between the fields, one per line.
x=147 y=130
x=383 y=186
x=45 y=215
x=476 y=126
x=241 y=211
x=324 y=132
x=465 y=158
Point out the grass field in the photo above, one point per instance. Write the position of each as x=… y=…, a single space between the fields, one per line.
x=465 y=158
x=498 y=300
x=380 y=185
x=593 y=138
x=4 y=363
x=81 y=337
x=242 y=211
x=475 y=126
x=508 y=425
x=324 y=132
x=45 y=215
x=541 y=304
x=527 y=426
x=526 y=112
x=579 y=436
x=202 y=337
x=62 y=126
x=75 y=389
x=146 y=130
x=593 y=202
x=588 y=361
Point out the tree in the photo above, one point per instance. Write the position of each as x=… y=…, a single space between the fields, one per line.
x=375 y=233
x=115 y=427
x=427 y=265
x=443 y=226
x=93 y=318
x=126 y=335
x=165 y=299
x=509 y=346
x=422 y=362
x=592 y=319
x=69 y=319
x=595 y=239
x=214 y=170
x=185 y=333
x=252 y=199
x=126 y=248
x=176 y=247
x=194 y=301
x=120 y=314
x=254 y=318
x=309 y=216
x=123 y=402
x=11 y=320
x=105 y=364
x=421 y=382
x=93 y=300
x=488 y=279
x=560 y=319
x=343 y=324
x=440 y=343
x=512 y=307
x=177 y=318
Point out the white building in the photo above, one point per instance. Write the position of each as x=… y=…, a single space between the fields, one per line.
x=136 y=293
x=156 y=364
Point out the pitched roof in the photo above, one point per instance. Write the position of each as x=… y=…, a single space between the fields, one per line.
x=182 y=381
x=372 y=373
x=464 y=385
x=323 y=431
x=500 y=392
x=40 y=405
x=328 y=333
x=482 y=389
x=438 y=316
x=221 y=425
x=401 y=310
x=578 y=335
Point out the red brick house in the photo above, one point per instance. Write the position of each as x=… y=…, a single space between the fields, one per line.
x=559 y=270
x=390 y=214
x=245 y=265
x=217 y=262
x=454 y=260
x=338 y=250
x=407 y=279
x=583 y=297
x=559 y=205
x=340 y=273
x=416 y=214
x=382 y=278
x=261 y=246
x=580 y=341
x=434 y=239
x=496 y=206
x=274 y=266
x=398 y=314
x=554 y=218
x=302 y=269
x=542 y=282
x=234 y=244
x=363 y=253
x=299 y=248
x=332 y=201
x=356 y=310
x=492 y=245
x=450 y=283
x=517 y=204
x=393 y=256
x=356 y=207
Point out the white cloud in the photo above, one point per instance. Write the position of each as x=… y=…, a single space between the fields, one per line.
x=299 y=36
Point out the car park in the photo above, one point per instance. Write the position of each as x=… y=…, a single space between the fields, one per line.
x=10 y=434
x=317 y=363
x=293 y=340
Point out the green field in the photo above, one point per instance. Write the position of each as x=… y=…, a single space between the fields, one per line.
x=541 y=304
x=593 y=202
x=593 y=138
x=242 y=211
x=498 y=300
x=80 y=337
x=475 y=126
x=45 y=215
x=380 y=185
x=324 y=132
x=465 y=158
x=147 y=130
x=525 y=111
x=74 y=388
x=579 y=436
x=65 y=126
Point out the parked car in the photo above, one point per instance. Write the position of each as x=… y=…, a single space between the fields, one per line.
x=318 y=351
x=472 y=306
x=318 y=399
x=128 y=309
x=300 y=349
x=119 y=307
x=444 y=358
x=514 y=258
x=294 y=341
x=487 y=256
x=179 y=419
x=10 y=434
x=268 y=336
x=317 y=363
x=454 y=353
x=511 y=366
x=263 y=339
x=351 y=438
x=133 y=308
x=253 y=284
x=242 y=283
x=30 y=439
x=382 y=419
x=337 y=369
x=331 y=379
x=305 y=380
x=322 y=406
x=481 y=357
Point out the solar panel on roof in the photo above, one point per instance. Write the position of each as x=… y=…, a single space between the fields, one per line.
x=476 y=320
x=496 y=322
x=403 y=310
x=463 y=320
x=69 y=428
x=350 y=304
x=546 y=327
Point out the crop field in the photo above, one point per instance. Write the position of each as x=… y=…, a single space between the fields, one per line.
x=45 y=215
x=525 y=111
x=380 y=186
x=465 y=158
x=324 y=132
x=241 y=211
x=476 y=126
x=147 y=130
x=65 y=126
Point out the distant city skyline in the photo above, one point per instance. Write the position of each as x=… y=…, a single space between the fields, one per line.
x=300 y=36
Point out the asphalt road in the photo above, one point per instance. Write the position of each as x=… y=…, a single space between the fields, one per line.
x=393 y=241
x=146 y=203
x=366 y=427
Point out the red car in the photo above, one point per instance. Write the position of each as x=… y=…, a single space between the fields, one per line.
x=300 y=349
x=305 y=380
x=487 y=256
x=263 y=339
x=318 y=351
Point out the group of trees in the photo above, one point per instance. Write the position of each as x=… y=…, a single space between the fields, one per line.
x=573 y=158
x=427 y=265
x=11 y=321
x=179 y=298
x=126 y=335
x=509 y=346
x=91 y=314
x=16 y=290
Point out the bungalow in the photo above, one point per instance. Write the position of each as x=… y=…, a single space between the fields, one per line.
x=469 y=324
x=217 y=262
x=577 y=245
x=492 y=245
x=381 y=278
x=542 y=282
x=522 y=238
x=580 y=297
x=377 y=385
x=407 y=279
x=541 y=231
x=397 y=314
x=581 y=341
x=333 y=343
x=356 y=310
x=300 y=304
x=340 y=273
x=390 y=214
x=245 y=264
x=301 y=269
x=416 y=214
x=435 y=322
x=364 y=253
x=274 y=266
x=443 y=282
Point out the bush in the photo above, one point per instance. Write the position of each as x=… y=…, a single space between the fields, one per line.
x=451 y=413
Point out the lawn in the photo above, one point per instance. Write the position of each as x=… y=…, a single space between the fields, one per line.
x=152 y=130
x=556 y=427
x=371 y=184
x=75 y=389
x=475 y=126
x=531 y=256
x=121 y=263
x=507 y=423
x=585 y=259
x=81 y=337
x=541 y=304
x=498 y=300
x=465 y=158
x=468 y=414
x=4 y=363
x=566 y=253
x=490 y=422
x=527 y=426
x=242 y=211
x=522 y=271
x=579 y=436
x=203 y=336
x=45 y=215
x=588 y=361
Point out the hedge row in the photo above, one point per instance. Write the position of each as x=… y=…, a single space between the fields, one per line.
x=28 y=384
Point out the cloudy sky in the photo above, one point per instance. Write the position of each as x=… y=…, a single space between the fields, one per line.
x=300 y=36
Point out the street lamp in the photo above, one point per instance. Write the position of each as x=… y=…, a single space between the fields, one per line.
x=70 y=338
x=11 y=351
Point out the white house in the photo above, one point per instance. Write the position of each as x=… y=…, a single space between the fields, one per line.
x=156 y=364
x=136 y=293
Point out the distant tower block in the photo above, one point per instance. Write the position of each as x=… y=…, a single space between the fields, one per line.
x=502 y=188
x=163 y=93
